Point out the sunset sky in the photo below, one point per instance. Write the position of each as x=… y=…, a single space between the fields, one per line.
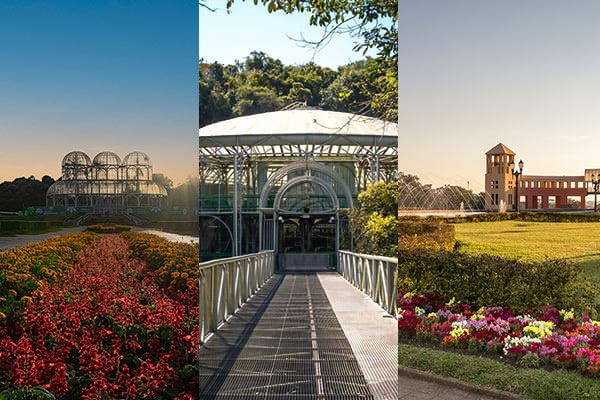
x=98 y=76
x=473 y=74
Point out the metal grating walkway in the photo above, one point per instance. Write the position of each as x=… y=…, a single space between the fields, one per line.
x=286 y=342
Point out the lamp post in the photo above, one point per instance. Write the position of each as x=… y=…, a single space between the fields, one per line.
x=595 y=182
x=517 y=174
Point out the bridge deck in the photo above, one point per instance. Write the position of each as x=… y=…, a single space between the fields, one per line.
x=287 y=342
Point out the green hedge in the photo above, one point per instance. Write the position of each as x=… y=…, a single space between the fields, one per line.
x=532 y=216
x=428 y=234
x=485 y=280
x=25 y=225
x=108 y=228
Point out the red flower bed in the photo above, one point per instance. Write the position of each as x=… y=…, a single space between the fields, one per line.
x=106 y=330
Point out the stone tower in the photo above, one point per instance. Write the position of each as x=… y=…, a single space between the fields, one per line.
x=499 y=180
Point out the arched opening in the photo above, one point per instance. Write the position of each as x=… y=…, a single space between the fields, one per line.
x=300 y=216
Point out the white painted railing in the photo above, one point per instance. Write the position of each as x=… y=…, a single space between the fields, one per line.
x=227 y=283
x=374 y=275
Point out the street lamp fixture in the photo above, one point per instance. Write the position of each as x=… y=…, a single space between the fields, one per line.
x=595 y=182
x=517 y=174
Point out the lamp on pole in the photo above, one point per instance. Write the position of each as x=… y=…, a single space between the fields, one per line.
x=595 y=182
x=517 y=174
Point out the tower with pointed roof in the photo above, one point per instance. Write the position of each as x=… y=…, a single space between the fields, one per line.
x=499 y=180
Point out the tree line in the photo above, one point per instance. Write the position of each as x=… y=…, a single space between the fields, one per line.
x=261 y=84
x=25 y=192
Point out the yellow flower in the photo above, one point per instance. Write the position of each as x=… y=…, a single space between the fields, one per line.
x=2 y=315
x=12 y=292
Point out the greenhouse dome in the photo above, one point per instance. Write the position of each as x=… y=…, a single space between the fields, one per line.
x=283 y=180
x=106 y=185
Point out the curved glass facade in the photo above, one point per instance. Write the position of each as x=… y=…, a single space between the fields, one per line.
x=106 y=184
x=282 y=180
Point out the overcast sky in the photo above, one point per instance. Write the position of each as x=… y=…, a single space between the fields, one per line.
x=98 y=76
x=473 y=74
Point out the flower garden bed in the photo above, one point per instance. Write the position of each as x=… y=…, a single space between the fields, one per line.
x=542 y=337
x=101 y=324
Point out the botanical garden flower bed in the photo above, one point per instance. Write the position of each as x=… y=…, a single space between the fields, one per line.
x=94 y=321
x=544 y=336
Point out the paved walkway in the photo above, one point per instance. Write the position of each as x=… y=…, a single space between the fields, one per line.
x=173 y=237
x=372 y=333
x=410 y=388
x=11 y=242
x=288 y=342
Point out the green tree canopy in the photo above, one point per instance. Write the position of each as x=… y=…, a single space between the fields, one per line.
x=262 y=83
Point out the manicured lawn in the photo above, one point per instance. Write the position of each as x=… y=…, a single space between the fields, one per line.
x=536 y=241
x=484 y=372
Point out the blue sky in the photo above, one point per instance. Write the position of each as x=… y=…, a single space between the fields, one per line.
x=473 y=74
x=226 y=38
x=98 y=76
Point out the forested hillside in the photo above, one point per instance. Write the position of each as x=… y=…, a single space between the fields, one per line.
x=261 y=84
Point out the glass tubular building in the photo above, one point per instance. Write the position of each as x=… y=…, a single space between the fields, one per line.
x=106 y=185
x=282 y=181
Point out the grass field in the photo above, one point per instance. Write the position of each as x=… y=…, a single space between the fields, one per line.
x=535 y=383
x=535 y=241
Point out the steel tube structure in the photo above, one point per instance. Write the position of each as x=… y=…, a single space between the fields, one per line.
x=227 y=283
x=375 y=276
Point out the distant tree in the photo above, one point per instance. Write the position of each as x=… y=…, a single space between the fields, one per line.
x=365 y=87
x=162 y=180
x=254 y=100
x=185 y=195
x=23 y=192
x=262 y=84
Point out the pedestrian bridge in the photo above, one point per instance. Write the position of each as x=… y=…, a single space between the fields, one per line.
x=298 y=335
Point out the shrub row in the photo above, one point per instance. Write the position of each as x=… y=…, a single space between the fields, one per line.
x=532 y=216
x=428 y=234
x=24 y=225
x=108 y=228
x=485 y=280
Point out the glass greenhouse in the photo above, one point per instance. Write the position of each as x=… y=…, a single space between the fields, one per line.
x=282 y=180
x=106 y=185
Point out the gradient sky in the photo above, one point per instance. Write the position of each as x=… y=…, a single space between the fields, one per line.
x=225 y=38
x=476 y=73
x=98 y=76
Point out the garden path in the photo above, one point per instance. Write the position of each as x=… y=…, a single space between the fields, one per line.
x=410 y=388
x=11 y=242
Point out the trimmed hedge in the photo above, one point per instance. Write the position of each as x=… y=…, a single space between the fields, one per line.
x=532 y=216
x=31 y=225
x=485 y=280
x=433 y=235
x=103 y=228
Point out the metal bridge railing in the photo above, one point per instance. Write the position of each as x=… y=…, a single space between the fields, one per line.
x=227 y=283
x=374 y=275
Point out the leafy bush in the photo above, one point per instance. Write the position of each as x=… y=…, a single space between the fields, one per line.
x=485 y=280
x=374 y=224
